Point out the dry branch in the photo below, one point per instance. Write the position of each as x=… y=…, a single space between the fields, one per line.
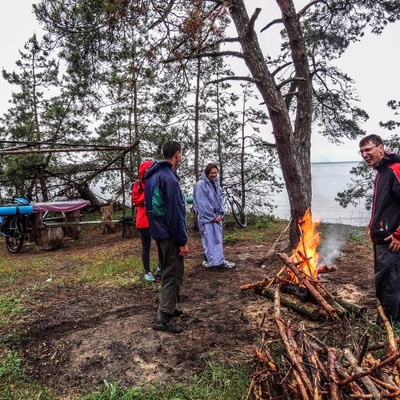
x=372 y=389
x=302 y=379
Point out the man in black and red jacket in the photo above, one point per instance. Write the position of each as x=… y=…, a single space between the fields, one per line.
x=384 y=226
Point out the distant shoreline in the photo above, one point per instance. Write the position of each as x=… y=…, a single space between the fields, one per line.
x=336 y=162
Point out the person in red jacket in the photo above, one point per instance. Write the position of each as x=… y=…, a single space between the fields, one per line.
x=384 y=226
x=142 y=223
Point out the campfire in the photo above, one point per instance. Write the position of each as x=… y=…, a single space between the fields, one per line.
x=299 y=280
x=311 y=369
x=305 y=255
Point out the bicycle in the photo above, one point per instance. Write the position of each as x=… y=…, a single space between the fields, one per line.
x=237 y=210
x=15 y=223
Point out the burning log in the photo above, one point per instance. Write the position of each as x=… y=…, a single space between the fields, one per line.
x=315 y=370
x=301 y=293
x=305 y=281
x=325 y=269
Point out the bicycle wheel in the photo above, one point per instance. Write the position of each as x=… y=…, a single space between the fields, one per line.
x=238 y=213
x=14 y=243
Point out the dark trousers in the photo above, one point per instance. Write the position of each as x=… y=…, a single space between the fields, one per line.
x=387 y=281
x=145 y=237
x=172 y=276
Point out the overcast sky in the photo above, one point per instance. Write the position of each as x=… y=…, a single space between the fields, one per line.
x=372 y=63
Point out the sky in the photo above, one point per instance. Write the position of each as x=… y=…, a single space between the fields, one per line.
x=372 y=63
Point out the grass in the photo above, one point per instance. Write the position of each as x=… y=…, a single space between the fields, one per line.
x=218 y=381
x=10 y=306
x=14 y=382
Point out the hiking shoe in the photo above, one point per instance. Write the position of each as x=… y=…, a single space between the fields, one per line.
x=176 y=313
x=166 y=325
x=205 y=264
x=149 y=277
x=228 y=264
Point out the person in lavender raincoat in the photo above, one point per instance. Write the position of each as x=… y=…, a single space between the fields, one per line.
x=209 y=207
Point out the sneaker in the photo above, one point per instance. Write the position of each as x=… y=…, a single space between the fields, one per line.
x=158 y=271
x=166 y=326
x=228 y=264
x=149 y=277
x=205 y=264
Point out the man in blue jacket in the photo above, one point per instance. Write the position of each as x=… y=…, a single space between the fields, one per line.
x=384 y=226
x=165 y=207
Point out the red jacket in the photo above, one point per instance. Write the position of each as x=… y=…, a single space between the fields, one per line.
x=138 y=196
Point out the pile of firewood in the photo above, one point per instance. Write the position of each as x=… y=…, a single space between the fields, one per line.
x=304 y=366
x=307 y=368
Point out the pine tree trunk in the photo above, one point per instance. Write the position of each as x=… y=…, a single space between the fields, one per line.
x=292 y=144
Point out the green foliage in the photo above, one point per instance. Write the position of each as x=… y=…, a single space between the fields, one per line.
x=359 y=237
x=230 y=238
x=43 y=110
x=392 y=124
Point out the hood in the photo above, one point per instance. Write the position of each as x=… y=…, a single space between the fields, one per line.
x=144 y=166
x=204 y=178
x=156 y=166
x=388 y=158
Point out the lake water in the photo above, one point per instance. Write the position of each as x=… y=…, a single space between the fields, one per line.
x=327 y=180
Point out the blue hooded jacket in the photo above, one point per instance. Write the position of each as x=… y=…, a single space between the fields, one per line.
x=208 y=200
x=165 y=203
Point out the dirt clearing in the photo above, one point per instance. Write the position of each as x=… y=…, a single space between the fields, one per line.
x=74 y=337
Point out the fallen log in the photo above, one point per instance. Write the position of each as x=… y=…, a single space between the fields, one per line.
x=355 y=309
x=340 y=310
x=309 y=310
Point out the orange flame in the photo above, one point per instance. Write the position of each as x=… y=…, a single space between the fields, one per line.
x=305 y=255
